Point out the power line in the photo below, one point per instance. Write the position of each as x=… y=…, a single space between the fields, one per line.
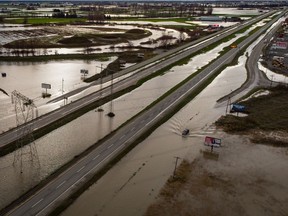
x=25 y=113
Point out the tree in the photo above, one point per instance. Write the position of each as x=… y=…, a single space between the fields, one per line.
x=45 y=51
x=165 y=40
x=209 y=10
x=130 y=44
x=201 y=10
x=25 y=20
x=181 y=36
x=2 y=19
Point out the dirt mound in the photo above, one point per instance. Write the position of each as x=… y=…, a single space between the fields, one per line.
x=75 y=40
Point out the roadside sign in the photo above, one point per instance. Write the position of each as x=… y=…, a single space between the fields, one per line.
x=83 y=71
x=212 y=141
x=46 y=86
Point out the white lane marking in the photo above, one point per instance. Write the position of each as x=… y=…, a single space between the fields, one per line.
x=39 y=213
x=94 y=167
x=71 y=110
x=37 y=203
x=96 y=157
x=110 y=146
x=77 y=107
x=122 y=136
x=60 y=184
x=133 y=129
x=80 y=169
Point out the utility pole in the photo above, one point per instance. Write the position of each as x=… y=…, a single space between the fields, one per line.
x=174 y=173
x=228 y=104
x=62 y=86
x=272 y=76
x=100 y=109
x=111 y=113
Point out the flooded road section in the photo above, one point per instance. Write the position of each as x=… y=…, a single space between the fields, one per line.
x=133 y=184
x=63 y=76
x=61 y=145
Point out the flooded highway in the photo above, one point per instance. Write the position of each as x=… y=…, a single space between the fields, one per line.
x=60 y=146
x=130 y=186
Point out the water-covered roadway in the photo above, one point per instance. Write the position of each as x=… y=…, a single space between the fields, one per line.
x=42 y=200
x=169 y=58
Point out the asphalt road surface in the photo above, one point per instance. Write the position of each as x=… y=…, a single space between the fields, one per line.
x=58 y=189
x=255 y=77
x=159 y=62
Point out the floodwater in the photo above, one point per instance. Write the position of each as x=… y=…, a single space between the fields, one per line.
x=7 y=35
x=61 y=145
x=274 y=77
x=27 y=78
x=62 y=75
x=235 y=11
x=133 y=184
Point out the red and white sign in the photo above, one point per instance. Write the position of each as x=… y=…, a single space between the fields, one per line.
x=211 y=141
x=281 y=45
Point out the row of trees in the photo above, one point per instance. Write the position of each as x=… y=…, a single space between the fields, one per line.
x=176 y=10
x=71 y=13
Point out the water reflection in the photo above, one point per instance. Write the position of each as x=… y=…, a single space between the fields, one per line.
x=26 y=78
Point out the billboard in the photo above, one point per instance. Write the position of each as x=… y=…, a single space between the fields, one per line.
x=211 y=141
x=46 y=86
x=280 y=45
x=238 y=108
x=83 y=71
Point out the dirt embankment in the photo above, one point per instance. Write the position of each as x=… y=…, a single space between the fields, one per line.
x=67 y=37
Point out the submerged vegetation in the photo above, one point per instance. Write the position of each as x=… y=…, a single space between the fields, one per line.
x=266 y=112
x=66 y=40
x=267 y=120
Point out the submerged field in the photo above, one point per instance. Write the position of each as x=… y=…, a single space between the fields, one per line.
x=267 y=118
x=241 y=177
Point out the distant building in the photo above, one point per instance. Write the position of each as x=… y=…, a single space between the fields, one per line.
x=279 y=45
x=210 y=18
x=233 y=19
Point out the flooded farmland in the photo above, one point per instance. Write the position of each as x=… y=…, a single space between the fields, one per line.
x=61 y=145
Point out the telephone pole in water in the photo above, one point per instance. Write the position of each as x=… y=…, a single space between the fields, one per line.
x=174 y=173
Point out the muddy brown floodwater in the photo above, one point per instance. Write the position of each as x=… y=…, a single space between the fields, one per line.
x=154 y=156
x=133 y=184
x=244 y=179
x=61 y=145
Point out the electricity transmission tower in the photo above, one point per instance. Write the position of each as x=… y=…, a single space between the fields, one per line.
x=25 y=110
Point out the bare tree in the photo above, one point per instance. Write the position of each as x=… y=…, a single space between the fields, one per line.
x=32 y=47
x=45 y=51
x=165 y=40
x=2 y=19
x=25 y=20
x=130 y=44
x=201 y=10
x=209 y=10
x=87 y=49
x=181 y=36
